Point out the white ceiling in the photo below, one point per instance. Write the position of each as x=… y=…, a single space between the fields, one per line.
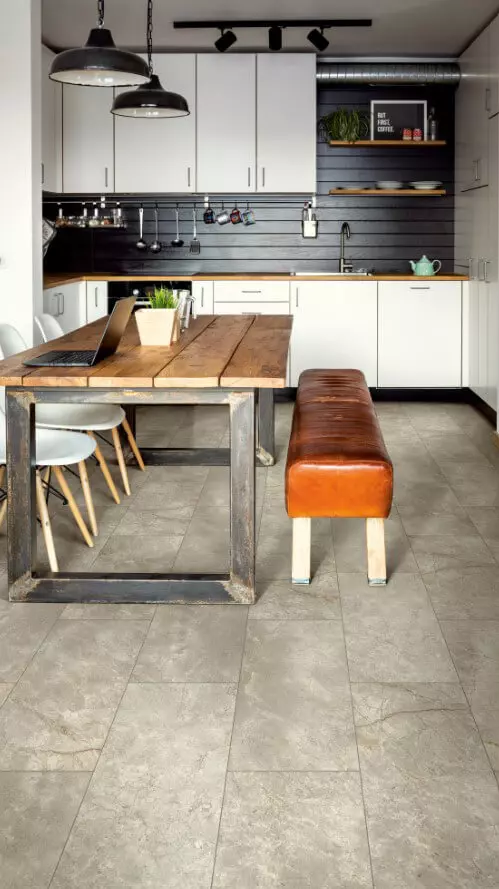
x=400 y=27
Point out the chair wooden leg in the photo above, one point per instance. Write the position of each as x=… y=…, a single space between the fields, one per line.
x=121 y=460
x=87 y=493
x=133 y=444
x=46 y=526
x=66 y=490
x=376 y=555
x=302 y=535
x=105 y=470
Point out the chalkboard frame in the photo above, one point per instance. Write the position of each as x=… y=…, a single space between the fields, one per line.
x=382 y=103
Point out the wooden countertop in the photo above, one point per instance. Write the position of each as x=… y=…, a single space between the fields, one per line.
x=60 y=280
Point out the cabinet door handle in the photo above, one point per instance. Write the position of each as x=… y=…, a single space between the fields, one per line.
x=487 y=99
x=251 y=313
x=188 y=177
x=470 y=268
x=263 y=177
x=486 y=264
x=61 y=312
x=297 y=296
x=106 y=176
x=249 y=177
x=43 y=173
x=251 y=291
x=96 y=297
x=202 y=297
x=420 y=288
x=479 y=277
x=475 y=171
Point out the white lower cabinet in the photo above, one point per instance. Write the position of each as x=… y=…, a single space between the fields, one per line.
x=202 y=292
x=334 y=325
x=252 y=291
x=96 y=300
x=419 y=335
x=76 y=304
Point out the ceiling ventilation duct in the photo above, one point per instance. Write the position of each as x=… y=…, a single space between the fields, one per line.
x=379 y=74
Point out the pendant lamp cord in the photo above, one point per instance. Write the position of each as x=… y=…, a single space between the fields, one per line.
x=100 y=13
x=149 y=36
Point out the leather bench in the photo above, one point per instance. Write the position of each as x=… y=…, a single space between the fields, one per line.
x=337 y=465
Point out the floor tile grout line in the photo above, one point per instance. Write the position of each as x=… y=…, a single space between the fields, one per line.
x=470 y=709
x=177 y=555
x=42 y=641
x=361 y=782
x=70 y=831
x=229 y=751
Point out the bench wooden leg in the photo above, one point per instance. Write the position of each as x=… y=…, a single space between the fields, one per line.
x=376 y=555
x=302 y=529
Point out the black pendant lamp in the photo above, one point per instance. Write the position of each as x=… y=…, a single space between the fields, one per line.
x=150 y=100
x=99 y=62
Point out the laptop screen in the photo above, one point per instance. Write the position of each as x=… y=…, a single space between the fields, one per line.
x=115 y=328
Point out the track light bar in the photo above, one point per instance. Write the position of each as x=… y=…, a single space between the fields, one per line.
x=277 y=23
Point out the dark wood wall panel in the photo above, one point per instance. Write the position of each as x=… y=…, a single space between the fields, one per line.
x=386 y=232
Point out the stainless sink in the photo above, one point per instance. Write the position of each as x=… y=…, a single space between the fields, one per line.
x=332 y=274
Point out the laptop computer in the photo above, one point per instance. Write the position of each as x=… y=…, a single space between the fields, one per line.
x=110 y=339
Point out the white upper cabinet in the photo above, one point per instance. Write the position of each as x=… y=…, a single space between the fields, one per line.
x=160 y=155
x=51 y=177
x=473 y=99
x=88 y=139
x=226 y=127
x=286 y=122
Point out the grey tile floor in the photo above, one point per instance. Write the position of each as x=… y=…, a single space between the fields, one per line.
x=337 y=736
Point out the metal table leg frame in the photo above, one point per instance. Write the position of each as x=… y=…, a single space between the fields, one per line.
x=266 y=427
x=242 y=495
x=21 y=491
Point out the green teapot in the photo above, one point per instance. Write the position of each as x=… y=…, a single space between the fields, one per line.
x=425 y=268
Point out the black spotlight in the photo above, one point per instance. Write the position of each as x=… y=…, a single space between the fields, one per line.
x=225 y=41
x=275 y=38
x=318 y=40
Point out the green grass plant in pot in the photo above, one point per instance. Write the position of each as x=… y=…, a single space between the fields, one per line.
x=344 y=126
x=159 y=324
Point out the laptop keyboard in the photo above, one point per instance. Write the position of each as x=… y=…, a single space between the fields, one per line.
x=83 y=357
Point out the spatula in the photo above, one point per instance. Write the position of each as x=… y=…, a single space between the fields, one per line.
x=195 y=245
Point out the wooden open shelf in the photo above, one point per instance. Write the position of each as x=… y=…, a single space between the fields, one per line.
x=390 y=192
x=388 y=143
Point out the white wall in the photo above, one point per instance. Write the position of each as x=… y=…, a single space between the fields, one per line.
x=21 y=274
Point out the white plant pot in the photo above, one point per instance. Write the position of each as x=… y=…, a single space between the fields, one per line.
x=157 y=327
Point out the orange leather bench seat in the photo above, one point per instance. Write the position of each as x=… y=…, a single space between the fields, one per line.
x=337 y=462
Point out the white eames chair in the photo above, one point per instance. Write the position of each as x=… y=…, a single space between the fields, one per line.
x=90 y=418
x=55 y=449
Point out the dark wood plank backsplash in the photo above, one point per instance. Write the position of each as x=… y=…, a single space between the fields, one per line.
x=386 y=232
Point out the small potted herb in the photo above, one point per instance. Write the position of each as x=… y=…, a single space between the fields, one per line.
x=158 y=325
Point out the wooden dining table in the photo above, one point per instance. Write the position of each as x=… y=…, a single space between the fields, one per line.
x=236 y=360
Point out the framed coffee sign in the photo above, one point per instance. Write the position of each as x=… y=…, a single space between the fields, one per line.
x=390 y=117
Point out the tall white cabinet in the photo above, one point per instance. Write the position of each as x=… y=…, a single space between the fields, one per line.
x=51 y=172
x=88 y=139
x=160 y=155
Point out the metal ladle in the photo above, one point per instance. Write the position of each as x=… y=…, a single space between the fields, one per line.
x=156 y=245
x=177 y=242
x=141 y=244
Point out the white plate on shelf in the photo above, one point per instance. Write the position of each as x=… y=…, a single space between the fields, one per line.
x=385 y=184
x=426 y=185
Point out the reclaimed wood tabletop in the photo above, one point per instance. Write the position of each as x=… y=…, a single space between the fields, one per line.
x=232 y=351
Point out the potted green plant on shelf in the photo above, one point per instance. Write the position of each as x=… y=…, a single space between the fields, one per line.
x=158 y=324
x=344 y=126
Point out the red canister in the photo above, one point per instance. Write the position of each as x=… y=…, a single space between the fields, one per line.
x=417 y=135
x=407 y=134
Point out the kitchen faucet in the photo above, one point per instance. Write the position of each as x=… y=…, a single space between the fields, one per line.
x=345 y=231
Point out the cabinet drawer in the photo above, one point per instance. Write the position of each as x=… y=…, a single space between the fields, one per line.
x=251 y=308
x=432 y=287
x=252 y=291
